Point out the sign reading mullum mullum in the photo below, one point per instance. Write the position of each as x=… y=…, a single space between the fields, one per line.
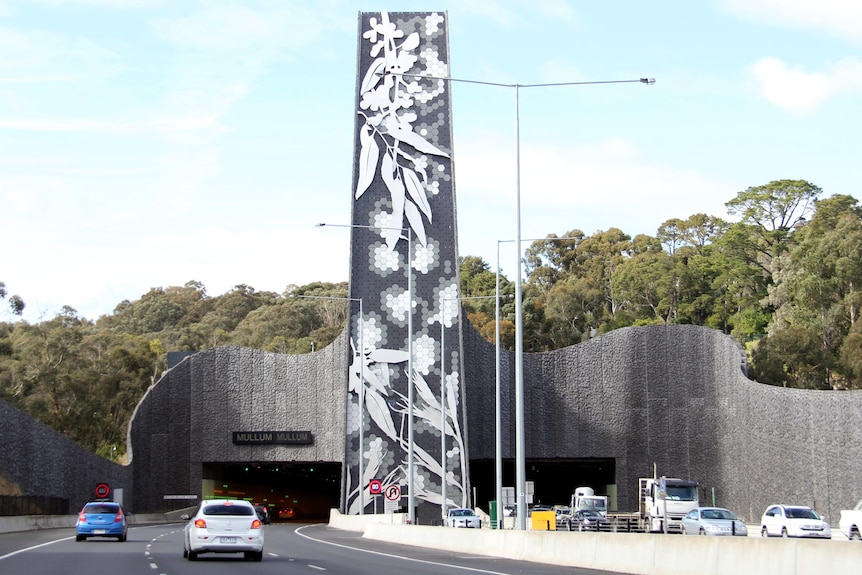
x=404 y=259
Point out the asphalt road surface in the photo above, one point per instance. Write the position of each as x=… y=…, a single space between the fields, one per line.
x=289 y=549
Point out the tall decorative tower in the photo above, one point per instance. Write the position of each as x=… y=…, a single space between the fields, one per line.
x=405 y=345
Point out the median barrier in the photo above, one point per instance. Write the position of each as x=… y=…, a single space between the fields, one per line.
x=11 y=524
x=637 y=553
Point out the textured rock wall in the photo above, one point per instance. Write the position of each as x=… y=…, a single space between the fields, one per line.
x=675 y=396
x=43 y=462
x=188 y=417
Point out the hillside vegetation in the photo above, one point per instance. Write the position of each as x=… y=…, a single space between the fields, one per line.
x=784 y=279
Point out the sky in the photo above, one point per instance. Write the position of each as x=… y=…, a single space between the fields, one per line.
x=149 y=143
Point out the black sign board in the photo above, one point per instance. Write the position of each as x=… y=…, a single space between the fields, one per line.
x=273 y=438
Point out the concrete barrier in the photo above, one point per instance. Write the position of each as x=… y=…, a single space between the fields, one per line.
x=358 y=522
x=34 y=522
x=637 y=553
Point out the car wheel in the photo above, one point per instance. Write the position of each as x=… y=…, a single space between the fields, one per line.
x=80 y=538
x=854 y=535
x=122 y=538
x=784 y=532
x=701 y=532
x=185 y=552
x=193 y=555
x=764 y=532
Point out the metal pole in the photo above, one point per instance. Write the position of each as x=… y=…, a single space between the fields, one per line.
x=498 y=443
x=520 y=454
x=443 y=409
x=361 y=411
x=411 y=512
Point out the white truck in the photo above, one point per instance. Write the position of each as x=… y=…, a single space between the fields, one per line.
x=664 y=502
x=585 y=499
x=850 y=522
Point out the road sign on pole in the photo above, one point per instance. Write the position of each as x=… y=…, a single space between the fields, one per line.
x=102 y=490
x=393 y=492
x=375 y=487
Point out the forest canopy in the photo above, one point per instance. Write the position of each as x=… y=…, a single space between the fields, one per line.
x=784 y=279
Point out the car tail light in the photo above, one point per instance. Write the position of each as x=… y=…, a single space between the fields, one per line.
x=82 y=517
x=255 y=524
x=200 y=523
x=119 y=517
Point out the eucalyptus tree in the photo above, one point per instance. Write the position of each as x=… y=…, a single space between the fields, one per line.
x=16 y=304
x=818 y=297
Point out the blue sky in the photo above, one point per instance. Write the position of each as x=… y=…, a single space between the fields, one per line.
x=148 y=143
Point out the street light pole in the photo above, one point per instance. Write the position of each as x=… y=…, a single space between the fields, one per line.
x=518 y=365
x=411 y=511
x=520 y=457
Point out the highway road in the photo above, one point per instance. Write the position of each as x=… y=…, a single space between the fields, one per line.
x=289 y=549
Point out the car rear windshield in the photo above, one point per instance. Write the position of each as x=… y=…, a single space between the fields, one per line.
x=224 y=509
x=100 y=508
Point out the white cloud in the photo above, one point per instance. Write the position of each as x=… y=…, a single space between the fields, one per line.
x=839 y=17
x=37 y=56
x=590 y=186
x=799 y=91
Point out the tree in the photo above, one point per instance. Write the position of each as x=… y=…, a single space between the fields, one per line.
x=16 y=304
x=770 y=213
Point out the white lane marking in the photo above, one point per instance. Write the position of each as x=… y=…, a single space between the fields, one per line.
x=33 y=547
x=298 y=529
x=316 y=567
x=154 y=566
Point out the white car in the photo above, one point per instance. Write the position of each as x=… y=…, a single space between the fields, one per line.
x=224 y=526
x=712 y=521
x=793 y=521
x=462 y=517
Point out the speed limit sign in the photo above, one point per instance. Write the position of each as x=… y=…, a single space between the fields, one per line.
x=102 y=490
x=393 y=492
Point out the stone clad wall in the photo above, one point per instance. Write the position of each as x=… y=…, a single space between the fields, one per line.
x=189 y=416
x=42 y=462
x=675 y=396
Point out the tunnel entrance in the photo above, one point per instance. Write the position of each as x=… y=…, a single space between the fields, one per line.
x=554 y=480
x=289 y=490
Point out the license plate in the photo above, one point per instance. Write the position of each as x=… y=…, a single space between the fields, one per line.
x=228 y=539
x=99 y=531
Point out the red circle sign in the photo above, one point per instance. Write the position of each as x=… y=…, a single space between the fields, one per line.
x=102 y=490
x=393 y=492
x=375 y=487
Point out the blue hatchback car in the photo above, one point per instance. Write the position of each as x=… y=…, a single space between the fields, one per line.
x=101 y=519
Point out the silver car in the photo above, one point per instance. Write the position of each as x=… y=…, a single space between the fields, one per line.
x=712 y=521
x=224 y=526
x=462 y=517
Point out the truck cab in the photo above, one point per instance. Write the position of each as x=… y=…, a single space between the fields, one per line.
x=665 y=501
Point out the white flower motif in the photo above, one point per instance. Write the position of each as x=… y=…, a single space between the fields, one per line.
x=423 y=354
x=384 y=259
x=372 y=333
x=397 y=304
x=423 y=257
x=447 y=302
x=432 y=23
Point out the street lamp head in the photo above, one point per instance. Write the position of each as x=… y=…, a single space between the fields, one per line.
x=648 y=81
